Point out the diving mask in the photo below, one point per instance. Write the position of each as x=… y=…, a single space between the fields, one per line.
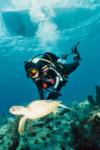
x=33 y=72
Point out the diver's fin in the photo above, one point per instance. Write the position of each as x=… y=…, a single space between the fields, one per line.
x=77 y=44
x=65 y=106
x=74 y=49
x=22 y=124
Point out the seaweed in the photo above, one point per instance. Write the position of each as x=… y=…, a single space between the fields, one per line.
x=96 y=100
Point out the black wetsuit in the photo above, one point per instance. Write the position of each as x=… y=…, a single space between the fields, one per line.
x=58 y=72
x=65 y=70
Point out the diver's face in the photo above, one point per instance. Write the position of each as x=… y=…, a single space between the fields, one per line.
x=34 y=74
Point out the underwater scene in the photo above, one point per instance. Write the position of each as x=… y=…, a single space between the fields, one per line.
x=50 y=75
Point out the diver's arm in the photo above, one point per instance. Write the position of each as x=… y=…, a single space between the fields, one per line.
x=39 y=87
x=41 y=92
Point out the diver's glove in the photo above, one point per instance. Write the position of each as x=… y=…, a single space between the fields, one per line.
x=54 y=95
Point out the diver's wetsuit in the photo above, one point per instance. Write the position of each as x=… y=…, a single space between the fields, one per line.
x=65 y=70
x=57 y=73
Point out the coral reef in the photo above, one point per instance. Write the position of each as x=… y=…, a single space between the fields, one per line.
x=78 y=129
x=8 y=135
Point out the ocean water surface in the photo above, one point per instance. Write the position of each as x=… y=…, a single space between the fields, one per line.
x=28 y=28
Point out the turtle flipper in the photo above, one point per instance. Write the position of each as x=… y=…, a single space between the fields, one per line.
x=61 y=105
x=55 y=112
x=22 y=124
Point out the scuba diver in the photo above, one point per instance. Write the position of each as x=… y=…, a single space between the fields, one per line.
x=50 y=72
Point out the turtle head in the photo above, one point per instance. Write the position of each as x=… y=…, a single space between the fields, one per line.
x=17 y=110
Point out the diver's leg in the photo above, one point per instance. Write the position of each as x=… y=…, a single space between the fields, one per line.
x=69 y=68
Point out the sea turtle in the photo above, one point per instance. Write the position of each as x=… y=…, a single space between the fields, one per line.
x=36 y=109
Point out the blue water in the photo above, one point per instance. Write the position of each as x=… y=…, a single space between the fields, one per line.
x=31 y=27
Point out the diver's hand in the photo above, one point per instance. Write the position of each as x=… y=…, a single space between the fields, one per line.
x=54 y=95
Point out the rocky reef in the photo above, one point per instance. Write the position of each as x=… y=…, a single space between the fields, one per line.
x=78 y=129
